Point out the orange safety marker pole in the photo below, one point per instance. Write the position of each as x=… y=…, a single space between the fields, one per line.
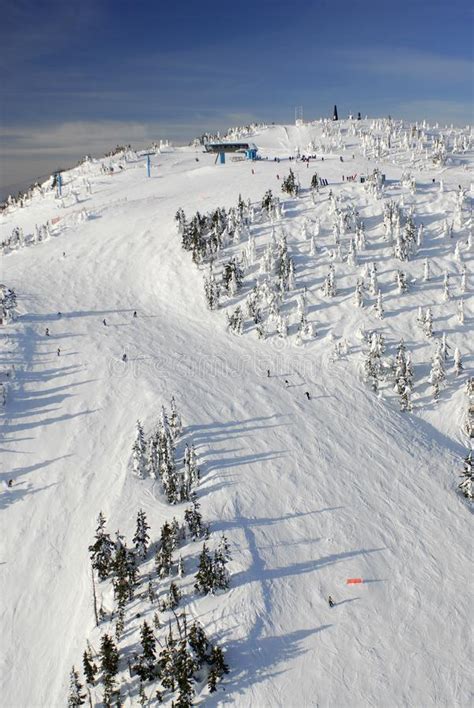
x=354 y=581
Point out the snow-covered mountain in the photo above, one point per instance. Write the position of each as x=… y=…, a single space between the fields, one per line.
x=312 y=475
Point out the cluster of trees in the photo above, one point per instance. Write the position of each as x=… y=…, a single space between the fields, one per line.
x=155 y=456
x=206 y=235
x=18 y=238
x=187 y=658
x=400 y=371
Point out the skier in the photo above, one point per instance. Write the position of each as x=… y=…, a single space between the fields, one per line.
x=287 y=383
x=59 y=314
x=59 y=351
x=124 y=357
x=104 y=323
x=306 y=393
x=331 y=601
x=268 y=373
x=135 y=313
x=10 y=483
x=47 y=331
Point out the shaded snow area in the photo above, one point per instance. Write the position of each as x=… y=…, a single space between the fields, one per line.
x=320 y=459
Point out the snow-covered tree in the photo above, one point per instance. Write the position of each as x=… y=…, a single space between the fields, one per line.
x=139 y=453
x=146 y=664
x=359 y=293
x=428 y=323
x=446 y=293
x=75 y=695
x=102 y=549
x=437 y=374
x=426 y=270
x=235 y=321
x=467 y=477
x=109 y=661
x=89 y=667
x=211 y=290
x=458 y=367
x=378 y=307
x=141 y=540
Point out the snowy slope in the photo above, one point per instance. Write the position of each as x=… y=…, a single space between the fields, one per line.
x=309 y=493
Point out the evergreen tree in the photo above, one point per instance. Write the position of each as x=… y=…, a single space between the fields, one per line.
x=218 y=669
x=185 y=667
x=146 y=666
x=204 y=577
x=101 y=550
x=198 y=642
x=109 y=659
x=139 y=453
x=467 y=478
x=174 y=597
x=167 y=662
x=193 y=520
x=428 y=323
x=378 y=307
x=458 y=367
x=290 y=184
x=235 y=321
x=75 y=697
x=125 y=574
x=90 y=668
x=437 y=374
x=176 y=424
x=141 y=539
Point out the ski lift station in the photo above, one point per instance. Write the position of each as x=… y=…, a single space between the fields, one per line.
x=247 y=151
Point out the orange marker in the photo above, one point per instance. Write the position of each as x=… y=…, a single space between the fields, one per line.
x=354 y=581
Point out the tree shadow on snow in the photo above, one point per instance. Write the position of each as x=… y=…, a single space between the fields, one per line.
x=260 y=661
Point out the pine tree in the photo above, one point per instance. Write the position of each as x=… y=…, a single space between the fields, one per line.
x=378 y=307
x=109 y=659
x=458 y=367
x=125 y=574
x=167 y=662
x=218 y=669
x=426 y=270
x=75 y=697
x=90 y=668
x=359 y=293
x=446 y=293
x=101 y=550
x=163 y=560
x=176 y=424
x=146 y=667
x=174 y=597
x=139 y=453
x=204 y=577
x=235 y=321
x=193 y=520
x=437 y=374
x=220 y=575
x=141 y=539
x=467 y=478
x=428 y=323
x=198 y=642
x=185 y=667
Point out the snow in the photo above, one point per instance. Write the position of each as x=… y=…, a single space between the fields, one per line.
x=308 y=492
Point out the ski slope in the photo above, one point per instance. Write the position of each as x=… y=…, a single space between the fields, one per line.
x=308 y=492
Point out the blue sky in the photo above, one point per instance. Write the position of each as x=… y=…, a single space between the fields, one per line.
x=81 y=76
